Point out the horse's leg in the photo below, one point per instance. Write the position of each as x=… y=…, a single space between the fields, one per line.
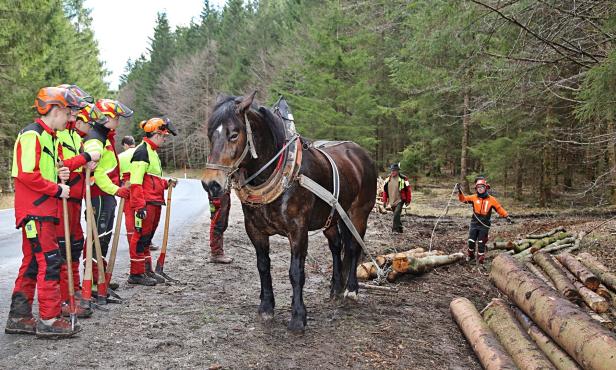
x=335 y=246
x=299 y=247
x=261 y=243
x=359 y=218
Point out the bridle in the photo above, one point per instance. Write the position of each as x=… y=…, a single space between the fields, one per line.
x=230 y=171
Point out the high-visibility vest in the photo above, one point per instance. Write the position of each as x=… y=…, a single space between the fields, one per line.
x=146 y=171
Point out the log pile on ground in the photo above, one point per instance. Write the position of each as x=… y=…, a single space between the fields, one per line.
x=415 y=261
x=558 y=318
x=555 y=240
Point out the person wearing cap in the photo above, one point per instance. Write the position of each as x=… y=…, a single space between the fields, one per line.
x=483 y=203
x=106 y=184
x=147 y=196
x=396 y=194
x=71 y=145
x=36 y=170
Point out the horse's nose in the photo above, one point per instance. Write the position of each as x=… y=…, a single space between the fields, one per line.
x=213 y=188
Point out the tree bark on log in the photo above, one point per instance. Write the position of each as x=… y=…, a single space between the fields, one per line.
x=592 y=299
x=579 y=270
x=514 y=339
x=557 y=275
x=419 y=265
x=490 y=352
x=383 y=259
x=598 y=269
x=547 y=234
x=557 y=356
x=591 y=345
x=540 y=243
x=540 y=274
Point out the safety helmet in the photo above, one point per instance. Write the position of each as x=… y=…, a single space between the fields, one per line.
x=113 y=108
x=158 y=125
x=47 y=97
x=78 y=91
x=92 y=115
x=481 y=181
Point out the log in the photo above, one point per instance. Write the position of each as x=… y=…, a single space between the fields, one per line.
x=514 y=339
x=378 y=288
x=539 y=273
x=366 y=271
x=556 y=247
x=557 y=356
x=400 y=261
x=589 y=280
x=598 y=269
x=557 y=275
x=609 y=296
x=540 y=243
x=501 y=245
x=586 y=341
x=547 y=234
x=592 y=299
x=490 y=352
x=383 y=259
x=420 y=265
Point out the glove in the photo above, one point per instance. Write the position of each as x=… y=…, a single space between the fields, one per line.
x=140 y=215
x=172 y=182
x=510 y=220
x=123 y=193
x=458 y=188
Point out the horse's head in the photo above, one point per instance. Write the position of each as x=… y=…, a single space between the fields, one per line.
x=229 y=147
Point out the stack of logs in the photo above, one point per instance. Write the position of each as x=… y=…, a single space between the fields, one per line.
x=552 y=241
x=415 y=261
x=558 y=319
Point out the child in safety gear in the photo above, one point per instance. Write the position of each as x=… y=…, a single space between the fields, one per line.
x=482 y=203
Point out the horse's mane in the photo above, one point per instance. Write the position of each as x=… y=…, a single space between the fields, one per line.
x=225 y=109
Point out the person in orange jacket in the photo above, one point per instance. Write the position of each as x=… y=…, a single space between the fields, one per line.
x=483 y=204
x=37 y=191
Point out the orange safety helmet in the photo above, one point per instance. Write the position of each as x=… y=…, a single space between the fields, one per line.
x=92 y=115
x=113 y=108
x=481 y=181
x=158 y=125
x=78 y=91
x=47 y=97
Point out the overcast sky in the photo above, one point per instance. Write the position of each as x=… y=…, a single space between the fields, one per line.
x=123 y=27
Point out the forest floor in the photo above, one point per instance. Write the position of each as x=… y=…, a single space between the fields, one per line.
x=210 y=320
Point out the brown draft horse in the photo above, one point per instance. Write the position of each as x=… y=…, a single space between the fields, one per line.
x=297 y=211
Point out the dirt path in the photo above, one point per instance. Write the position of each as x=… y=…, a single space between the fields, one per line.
x=212 y=318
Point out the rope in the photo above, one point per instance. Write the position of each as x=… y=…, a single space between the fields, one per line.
x=441 y=216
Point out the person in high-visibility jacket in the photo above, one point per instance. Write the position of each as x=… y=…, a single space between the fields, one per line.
x=71 y=144
x=483 y=203
x=106 y=184
x=147 y=196
x=128 y=144
x=35 y=172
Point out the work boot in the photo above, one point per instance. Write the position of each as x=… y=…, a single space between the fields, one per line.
x=82 y=312
x=20 y=325
x=470 y=255
x=220 y=258
x=141 y=279
x=481 y=258
x=159 y=279
x=58 y=328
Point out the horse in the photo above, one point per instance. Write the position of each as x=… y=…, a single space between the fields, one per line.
x=243 y=137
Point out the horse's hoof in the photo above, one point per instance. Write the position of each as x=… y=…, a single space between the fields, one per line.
x=266 y=317
x=296 y=326
x=354 y=296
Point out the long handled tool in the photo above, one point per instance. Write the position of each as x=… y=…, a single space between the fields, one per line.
x=160 y=263
x=114 y=248
x=86 y=289
x=101 y=286
x=69 y=264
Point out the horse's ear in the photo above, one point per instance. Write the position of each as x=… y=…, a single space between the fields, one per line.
x=246 y=102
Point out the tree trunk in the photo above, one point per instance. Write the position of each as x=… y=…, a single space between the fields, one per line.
x=598 y=269
x=540 y=274
x=465 y=136
x=557 y=275
x=591 y=345
x=579 y=270
x=611 y=152
x=557 y=356
x=490 y=352
x=518 y=344
x=420 y=265
x=592 y=299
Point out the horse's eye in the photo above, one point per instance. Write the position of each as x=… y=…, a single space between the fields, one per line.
x=233 y=136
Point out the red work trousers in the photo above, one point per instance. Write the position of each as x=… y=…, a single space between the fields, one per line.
x=76 y=233
x=140 y=242
x=129 y=220
x=39 y=271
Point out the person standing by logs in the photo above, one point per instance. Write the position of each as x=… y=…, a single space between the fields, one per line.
x=147 y=196
x=396 y=194
x=482 y=203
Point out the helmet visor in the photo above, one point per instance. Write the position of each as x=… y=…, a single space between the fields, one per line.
x=73 y=101
x=122 y=110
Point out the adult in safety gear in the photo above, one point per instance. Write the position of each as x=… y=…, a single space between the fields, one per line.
x=106 y=180
x=396 y=194
x=147 y=196
x=71 y=145
x=35 y=172
x=219 y=220
x=483 y=203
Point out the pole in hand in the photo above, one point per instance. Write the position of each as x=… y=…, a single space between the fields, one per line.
x=160 y=263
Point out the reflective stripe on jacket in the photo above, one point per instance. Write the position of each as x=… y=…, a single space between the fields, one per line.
x=146 y=183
